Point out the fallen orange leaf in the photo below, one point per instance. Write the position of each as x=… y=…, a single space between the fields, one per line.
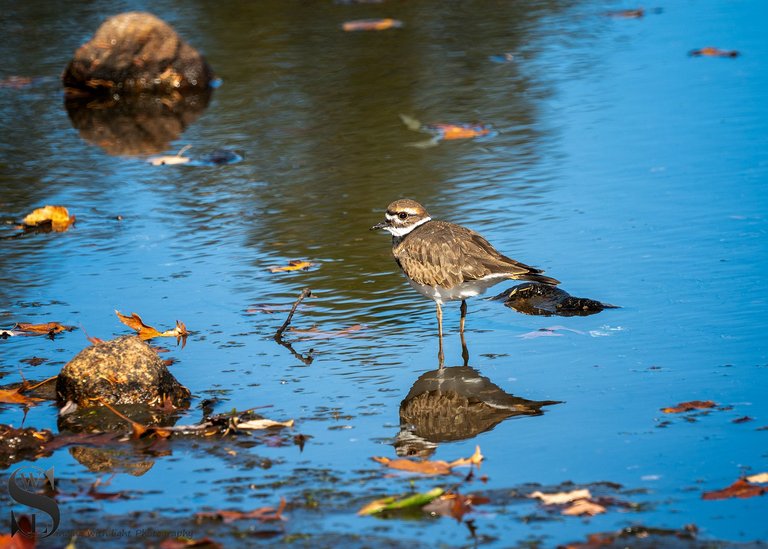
x=263 y=514
x=57 y=216
x=739 y=489
x=19 y=540
x=293 y=265
x=15 y=396
x=688 y=406
x=426 y=467
x=458 y=131
x=372 y=24
x=454 y=505
x=710 y=51
x=47 y=328
x=148 y=332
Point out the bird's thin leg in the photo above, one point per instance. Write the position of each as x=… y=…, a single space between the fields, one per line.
x=440 y=355
x=463 y=315
x=464 y=350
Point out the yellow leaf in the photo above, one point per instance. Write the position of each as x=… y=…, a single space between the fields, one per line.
x=293 y=265
x=134 y=322
x=57 y=216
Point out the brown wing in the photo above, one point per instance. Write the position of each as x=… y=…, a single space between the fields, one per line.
x=444 y=254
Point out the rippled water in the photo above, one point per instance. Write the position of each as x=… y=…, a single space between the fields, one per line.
x=633 y=173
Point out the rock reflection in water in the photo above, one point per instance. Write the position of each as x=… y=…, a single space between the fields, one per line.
x=135 y=125
x=455 y=403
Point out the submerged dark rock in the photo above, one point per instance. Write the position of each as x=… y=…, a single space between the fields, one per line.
x=123 y=371
x=532 y=298
x=136 y=52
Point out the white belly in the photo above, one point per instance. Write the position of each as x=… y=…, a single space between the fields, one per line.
x=459 y=292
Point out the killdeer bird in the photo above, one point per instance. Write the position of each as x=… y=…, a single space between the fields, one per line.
x=447 y=262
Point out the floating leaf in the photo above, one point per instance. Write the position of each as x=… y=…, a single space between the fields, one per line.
x=742 y=488
x=561 y=498
x=258 y=424
x=185 y=543
x=459 y=131
x=293 y=265
x=583 y=507
x=372 y=24
x=391 y=503
x=47 y=328
x=430 y=467
x=263 y=514
x=57 y=216
x=710 y=51
x=15 y=396
x=148 y=332
x=139 y=430
x=688 y=406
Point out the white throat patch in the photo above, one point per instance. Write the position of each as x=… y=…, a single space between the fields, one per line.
x=402 y=231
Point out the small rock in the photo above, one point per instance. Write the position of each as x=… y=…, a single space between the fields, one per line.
x=136 y=52
x=122 y=371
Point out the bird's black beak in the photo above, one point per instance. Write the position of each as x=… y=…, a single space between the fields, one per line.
x=382 y=225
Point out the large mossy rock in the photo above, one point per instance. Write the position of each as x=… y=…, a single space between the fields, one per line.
x=136 y=52
x=122 y=371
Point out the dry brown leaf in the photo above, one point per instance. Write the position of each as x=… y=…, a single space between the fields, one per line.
x=710 y=51
x=688 y=406
x=139 y=430
x=15 y=396
x=561 y=498
x=47 y=328
x=453 y=505
x=293 y=265
x=739 y=489
x=185 y=543
x=263 y=514
x=583 y=507
x=257 y=424
x=148 y=332
x=426 y=467
x=760 y=478
x=57 y=216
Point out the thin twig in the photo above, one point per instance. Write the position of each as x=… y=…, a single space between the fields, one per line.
x=306 y=292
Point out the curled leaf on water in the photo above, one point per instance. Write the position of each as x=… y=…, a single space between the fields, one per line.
x=392 y=503
x=57 y=218
x=710 y=51
x=262 y=514
x=293 y=265
x=148 y=332
x=428 y=467
x=742 y=488
x=689 y=406
x=583 y=507
x=446 y=132
x=372 y=24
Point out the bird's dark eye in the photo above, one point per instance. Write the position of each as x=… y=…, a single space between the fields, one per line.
x=402 y=215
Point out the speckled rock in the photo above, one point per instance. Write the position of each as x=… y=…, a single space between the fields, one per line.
x=136 y=52
x=123 y=371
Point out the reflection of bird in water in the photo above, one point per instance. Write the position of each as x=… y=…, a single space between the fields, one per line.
x=455 y=403
x=447 y=262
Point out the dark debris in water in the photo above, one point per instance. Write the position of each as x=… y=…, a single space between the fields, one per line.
x=533 y=298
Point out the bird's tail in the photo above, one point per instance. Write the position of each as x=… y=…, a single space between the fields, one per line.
x=536 y=276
